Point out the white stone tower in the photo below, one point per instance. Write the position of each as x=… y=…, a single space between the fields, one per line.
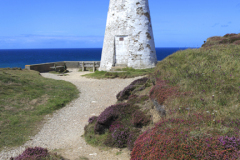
x=128 y=37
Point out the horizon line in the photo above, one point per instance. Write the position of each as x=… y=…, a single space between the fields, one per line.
x=80 y=48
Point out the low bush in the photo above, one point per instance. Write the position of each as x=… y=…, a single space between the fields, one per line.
x=120 y=136
x=92 y=119
x=139 y=119
x=115 y=125
x=234 y=38
x=237 y=42
x=161 y=91
x=38 y=153
x=178 y=139
x=140 y=81
x=229 y=35
x=32 y=154
x=108 y=116
x=138 y=84
x=125 y=93
x=133 y=135
x=133 y=99
x=225 y=40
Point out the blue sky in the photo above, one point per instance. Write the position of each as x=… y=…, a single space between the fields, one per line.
x=81 y=23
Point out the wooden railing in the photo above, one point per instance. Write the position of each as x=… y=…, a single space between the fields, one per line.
x=89 y=64
x=46 y=67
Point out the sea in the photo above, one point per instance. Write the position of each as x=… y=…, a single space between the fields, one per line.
x=10 y=58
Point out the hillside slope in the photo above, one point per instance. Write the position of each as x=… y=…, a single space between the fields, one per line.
x=203 y=122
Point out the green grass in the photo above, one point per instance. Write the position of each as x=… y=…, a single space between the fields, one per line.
x=92 y=138
x=126 y=73
x=25 y=98
x=213 y=76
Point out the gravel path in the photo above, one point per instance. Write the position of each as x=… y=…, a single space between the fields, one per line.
x=62 y=131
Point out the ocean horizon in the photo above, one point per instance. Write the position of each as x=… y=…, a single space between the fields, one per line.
x=10 y=58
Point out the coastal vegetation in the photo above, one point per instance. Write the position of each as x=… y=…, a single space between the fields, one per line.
x=232 y=38
x=120 y=73
x=200 y=92
x=120 y=124
x=204 y=122
x=25 y=98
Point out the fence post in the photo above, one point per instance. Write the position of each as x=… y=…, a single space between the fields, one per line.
x=82 y=66
x=93 y=66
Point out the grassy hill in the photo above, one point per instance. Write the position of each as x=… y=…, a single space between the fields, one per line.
x=200 y=89
x=25 y=98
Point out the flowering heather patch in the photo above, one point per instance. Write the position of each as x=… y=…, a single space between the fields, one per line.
x=133 y=96
x=161 y=91
x=127 y=91
x=139 y=119
x=234 y=38
x=120 y=136
x=108 y=116
x=115 y=125
x=32 y=154
x=237 y=42
x=133 y=135
x=230 y=142
x=140 y=81
x=224 y=41
x=92 y=119
x=173 y=139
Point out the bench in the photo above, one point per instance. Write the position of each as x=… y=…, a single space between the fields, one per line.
x=59 y=68
x=89 y=64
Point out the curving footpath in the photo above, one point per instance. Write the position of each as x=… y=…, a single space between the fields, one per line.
x=62 y=131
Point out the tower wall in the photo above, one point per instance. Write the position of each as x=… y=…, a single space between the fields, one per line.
x=128 y=37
